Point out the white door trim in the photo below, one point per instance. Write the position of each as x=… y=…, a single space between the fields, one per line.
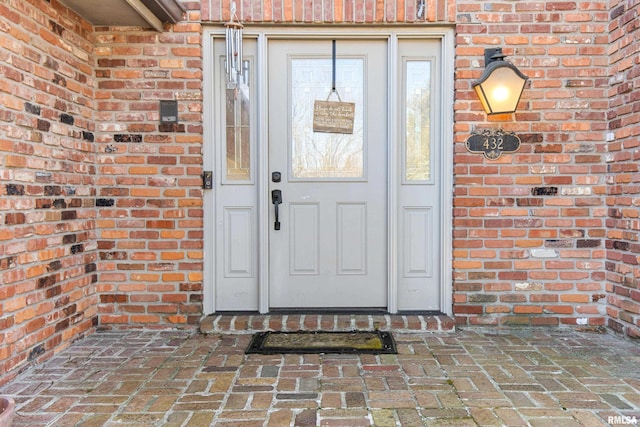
x=446 y=36
x=392 y=178
x=263 y=179
x=446 y=188
x=208 y=162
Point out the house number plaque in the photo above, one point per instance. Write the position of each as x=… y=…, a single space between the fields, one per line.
x=493 y=143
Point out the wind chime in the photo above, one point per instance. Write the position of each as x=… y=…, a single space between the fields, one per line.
x=234 y=65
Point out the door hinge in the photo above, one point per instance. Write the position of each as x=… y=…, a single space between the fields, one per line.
x=207 y=180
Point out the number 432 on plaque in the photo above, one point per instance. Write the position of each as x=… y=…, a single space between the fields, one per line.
x=493 y=143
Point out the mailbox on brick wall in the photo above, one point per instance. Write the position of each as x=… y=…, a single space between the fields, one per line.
x=168 y=111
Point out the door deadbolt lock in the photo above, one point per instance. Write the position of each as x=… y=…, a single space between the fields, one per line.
x=276 y=176
x=207 y=180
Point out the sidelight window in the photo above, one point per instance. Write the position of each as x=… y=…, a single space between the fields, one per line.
x=237 y=130
x=417 y=116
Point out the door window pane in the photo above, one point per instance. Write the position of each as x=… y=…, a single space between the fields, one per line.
x=318 y=154
x=417 y=120
x=237 y=127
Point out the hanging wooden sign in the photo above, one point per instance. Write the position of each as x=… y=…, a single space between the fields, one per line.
x=493 y=143
x=333 y=117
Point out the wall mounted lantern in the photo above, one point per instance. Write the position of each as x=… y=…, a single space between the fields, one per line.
x=501 y=84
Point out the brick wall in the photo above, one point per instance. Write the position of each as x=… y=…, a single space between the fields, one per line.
x=529 y=227
x=623 y=177
x=335 y=11
x=47 y=182
x=149 y=206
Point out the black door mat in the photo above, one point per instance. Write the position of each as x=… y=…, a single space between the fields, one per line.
x=302 y=342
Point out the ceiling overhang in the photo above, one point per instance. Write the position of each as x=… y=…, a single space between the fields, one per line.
x=128 y=13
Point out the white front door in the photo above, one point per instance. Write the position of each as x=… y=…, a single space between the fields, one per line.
x=365 y=215
x=329 y=249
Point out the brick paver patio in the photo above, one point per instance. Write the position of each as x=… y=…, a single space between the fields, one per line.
x=536 y=377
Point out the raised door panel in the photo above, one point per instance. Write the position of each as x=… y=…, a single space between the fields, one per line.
x=352 y=238
x=304 y=239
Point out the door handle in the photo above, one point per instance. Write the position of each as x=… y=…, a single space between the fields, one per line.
x=276 y=199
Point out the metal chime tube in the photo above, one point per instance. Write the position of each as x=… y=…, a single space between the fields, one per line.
x=235 y=50
x=227 y=39
x=239 y=50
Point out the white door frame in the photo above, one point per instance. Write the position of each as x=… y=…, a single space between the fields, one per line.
x=446 y=36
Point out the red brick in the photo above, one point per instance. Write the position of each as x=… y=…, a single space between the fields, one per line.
x=467 y=309
x=527 y=309
x=576 y=298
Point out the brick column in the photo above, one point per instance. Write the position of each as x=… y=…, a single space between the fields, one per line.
x=528 y=227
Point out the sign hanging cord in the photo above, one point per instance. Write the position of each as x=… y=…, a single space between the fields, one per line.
x=333 y=72
x=333 y=56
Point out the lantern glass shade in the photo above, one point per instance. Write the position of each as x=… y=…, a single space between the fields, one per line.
x=500 y=87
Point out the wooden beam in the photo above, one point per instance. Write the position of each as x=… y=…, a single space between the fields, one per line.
x=146 y=14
